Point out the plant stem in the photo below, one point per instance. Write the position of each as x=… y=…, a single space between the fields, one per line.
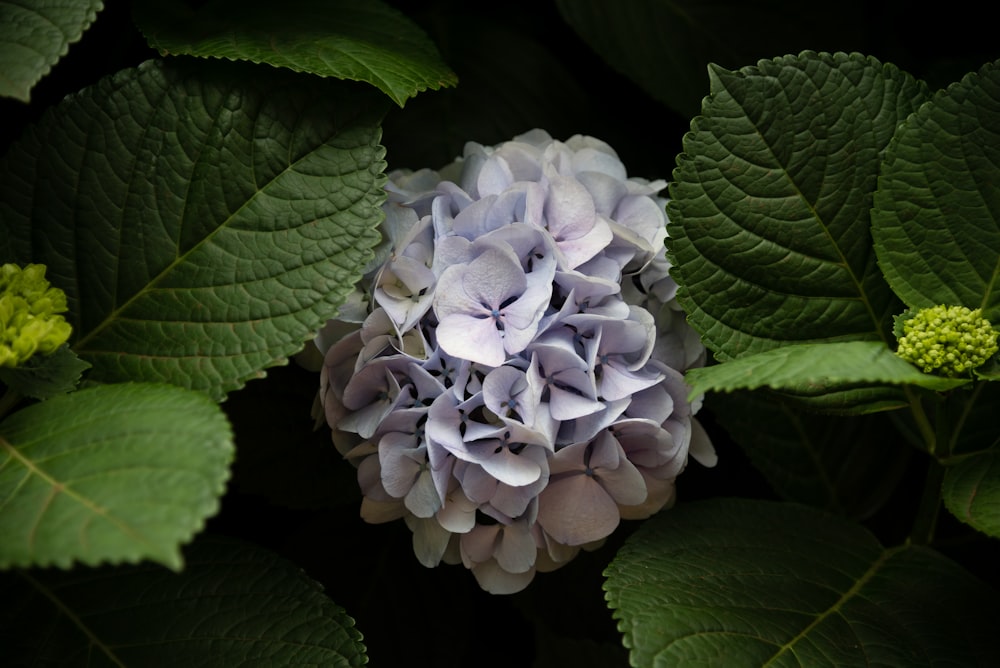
x=930 y=504
x=927 y=430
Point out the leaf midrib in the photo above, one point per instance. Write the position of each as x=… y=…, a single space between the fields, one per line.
x=836 y=607
x=62 y=488
x=112 y=317
x=72 y=617
x=858 y=285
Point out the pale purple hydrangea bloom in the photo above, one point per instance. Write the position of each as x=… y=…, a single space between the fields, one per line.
x=510 y=382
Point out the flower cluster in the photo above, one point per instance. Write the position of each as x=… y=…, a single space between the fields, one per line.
x=514 y=387
x=947 y=340
x=29 y=320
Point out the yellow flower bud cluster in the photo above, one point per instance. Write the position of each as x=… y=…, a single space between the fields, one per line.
x=947 y=340
x=29 y=320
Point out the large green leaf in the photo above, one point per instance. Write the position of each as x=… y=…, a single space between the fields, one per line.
x=109 y=474
x=971 y=491
x=848 y=465
x=936 y=221
x=361 y=40
x=35 y=35
x=772 y=584
x=813 y=368
x=234 y=605
x=203 y=218
x=665 y=45
x=770 y=226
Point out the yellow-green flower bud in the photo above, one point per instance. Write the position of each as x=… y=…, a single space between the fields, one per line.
x=29 y=314
x=947 y=340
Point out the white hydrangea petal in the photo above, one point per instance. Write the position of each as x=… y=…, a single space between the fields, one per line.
x=701 y=448
x=423 y=499
x=472 y=338
x=516 y=550
x=458 y=514
x=495 y=580
x=430 y=540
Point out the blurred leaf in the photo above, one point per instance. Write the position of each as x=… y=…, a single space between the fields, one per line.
x=110 y=474
x=665 y=46
x=849 y=400
x=204 y=219
x=846 y=465
x=35 y=35
x=346 y=39
x=234 y=605
x=764 y=583
x=770 y=231
x=936 y=221
x=971 y=414
x=816 y=368
x=46 y=376
x=971 y=491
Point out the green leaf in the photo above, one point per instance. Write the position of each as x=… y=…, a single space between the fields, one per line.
x=936 y=221
x=110 y=474
x=46 y=376
x=665 y=46
x=35 y=35
x=848 y=465
x=764 y=583
x=234 y=605
x=204 y=219
x=971 y=491
x=770 y=231
x=816 y=368
x=346 y=39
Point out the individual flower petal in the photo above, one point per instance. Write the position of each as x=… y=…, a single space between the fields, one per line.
x=701 y=448
x=430 y=540
x=404 y=288
x=423 y=499
x=576 y=510
x=561 y=378
x=458 y=514
x=551 y=553
x=660 y=494
x=375 y=511
x=371 y=394
x=511 y=545
x=570 y=217
x=510 y=394
x=613 y=470
x=492 y=578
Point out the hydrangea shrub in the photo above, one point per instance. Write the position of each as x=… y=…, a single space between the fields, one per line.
x=510 y=382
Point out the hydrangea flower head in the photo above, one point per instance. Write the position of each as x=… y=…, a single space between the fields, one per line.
x=947 y=340
x=515 y=387
x=29 y=314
